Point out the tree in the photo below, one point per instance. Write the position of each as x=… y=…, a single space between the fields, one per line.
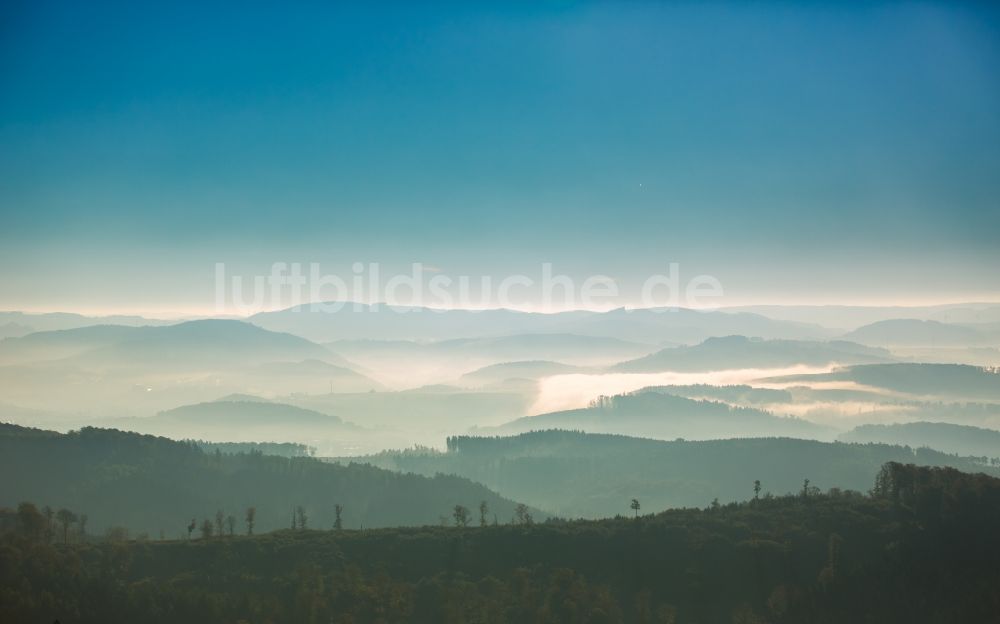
x=231 y=524
x=300 y=513
x=30 y=521
x=220 y=519
x=805 y=488
x=191 y=527
x=756 y=489
x=48 y=513
x=483 y=510
x=338 y=523
x=65 y=518
x=635 y=506
x=461 y=516
x=521 y=512
x=251 y=516
x=207 y=529
x=82 y=523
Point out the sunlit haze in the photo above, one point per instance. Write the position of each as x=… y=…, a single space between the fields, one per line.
x=499 y=312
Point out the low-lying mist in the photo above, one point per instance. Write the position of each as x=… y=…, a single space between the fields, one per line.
x=561 y=392
x=227 y=380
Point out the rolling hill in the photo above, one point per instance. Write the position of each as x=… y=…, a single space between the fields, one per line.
x=851 y=317
x=915 y=333
x=64 y=343
x=136 y=371
x=240 y=419
x=830 y=556
x=206 y=342
x=529 y=370
x=406 y=364
x=947 y=437
x=236 y=415
x=150 y=484
x=734 y=394
x=593 y=475
x=733 y=352
x=656 y=325
x=50 y=321
x=654 y=414
x=958 y=381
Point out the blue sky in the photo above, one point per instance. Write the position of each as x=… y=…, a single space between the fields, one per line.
x=817 y=154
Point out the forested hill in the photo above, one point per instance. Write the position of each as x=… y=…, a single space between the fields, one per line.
x=949 y=437
x=664 y=416
x=575 y=474
x=922 y=549
x=147 y=483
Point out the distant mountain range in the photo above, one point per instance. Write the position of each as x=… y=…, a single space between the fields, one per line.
x=731 y=352
x=208 y=342
x=62 y=343
x=498 y=349
x=413 y=375
x=405 y=363
x=194 y=342
x=851 y=317
x=107 y=368
x=679 y=325
x=917 y=333
x=49 y=321
x=658 y=325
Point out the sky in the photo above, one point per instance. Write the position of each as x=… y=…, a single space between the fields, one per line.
x=798 y=154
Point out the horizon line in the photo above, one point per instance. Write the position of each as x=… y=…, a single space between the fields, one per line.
x=180 y=314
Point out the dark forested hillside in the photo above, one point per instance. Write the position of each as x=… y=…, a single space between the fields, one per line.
x=590 y=475
x=922 y=548
x=150 y=484
x=281 y=449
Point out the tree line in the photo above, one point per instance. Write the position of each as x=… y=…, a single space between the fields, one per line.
x=920 y=546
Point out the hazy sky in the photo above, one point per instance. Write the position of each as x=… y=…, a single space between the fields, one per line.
x=816 y=154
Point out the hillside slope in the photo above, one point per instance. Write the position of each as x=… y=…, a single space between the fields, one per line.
x=734 y=352
x=947 y=437
x=915 y=333
x=655 y=414
x=151 y=484
x=588 y=475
